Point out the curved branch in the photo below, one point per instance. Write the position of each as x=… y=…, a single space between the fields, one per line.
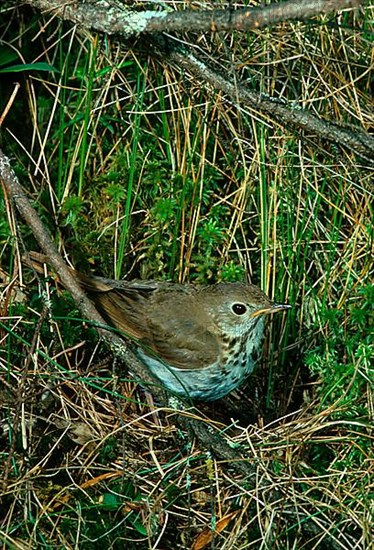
x=208 y=434
x=355 y=139
x=113 y=17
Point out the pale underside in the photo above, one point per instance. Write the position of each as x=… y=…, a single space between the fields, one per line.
x=209 y=383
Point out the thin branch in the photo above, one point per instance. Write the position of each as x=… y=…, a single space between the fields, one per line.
x=290 y=114
x=113 y=17
x=17 y=195
x=209 y=436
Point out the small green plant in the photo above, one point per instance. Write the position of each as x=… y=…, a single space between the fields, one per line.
x=343 y=361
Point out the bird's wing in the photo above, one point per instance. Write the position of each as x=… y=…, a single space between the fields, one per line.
x=181 y=334
x=161 y=316
x=124 y=308
x=177 y=336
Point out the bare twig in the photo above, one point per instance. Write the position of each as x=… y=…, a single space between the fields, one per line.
x=114 y=18
x=17 y=195
x=208 y=435
x=355 y=139
x=17 y=86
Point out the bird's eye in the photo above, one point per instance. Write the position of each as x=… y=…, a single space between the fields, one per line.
x=239 y=309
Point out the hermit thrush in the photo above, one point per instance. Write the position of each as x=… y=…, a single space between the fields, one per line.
x=200 y=342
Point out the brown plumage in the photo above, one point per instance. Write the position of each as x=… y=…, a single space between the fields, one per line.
x=199 y=341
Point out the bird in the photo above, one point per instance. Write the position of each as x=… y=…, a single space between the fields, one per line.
x=200 y=342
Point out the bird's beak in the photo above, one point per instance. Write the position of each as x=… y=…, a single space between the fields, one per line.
x=274 y=308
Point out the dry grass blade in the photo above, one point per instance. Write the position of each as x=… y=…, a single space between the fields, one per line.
x=138 y=169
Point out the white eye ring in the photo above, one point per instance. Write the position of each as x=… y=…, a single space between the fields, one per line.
x=239 y=308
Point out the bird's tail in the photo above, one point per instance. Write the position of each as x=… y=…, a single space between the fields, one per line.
x=38 y=262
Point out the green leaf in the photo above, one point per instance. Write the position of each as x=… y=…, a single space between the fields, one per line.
x=40 y=66
x=140 y=528
x=109 y=501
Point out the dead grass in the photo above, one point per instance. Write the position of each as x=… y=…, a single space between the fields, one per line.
x=139 y=170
